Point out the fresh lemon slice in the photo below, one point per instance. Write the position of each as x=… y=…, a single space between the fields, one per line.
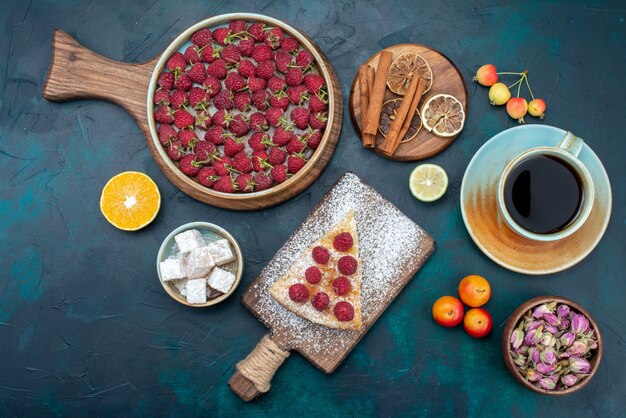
x=130 y=200
x=443 y=115
x=428 y=182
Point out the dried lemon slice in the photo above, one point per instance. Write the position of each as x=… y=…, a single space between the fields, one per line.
x=402 y=70
x=443 y=115
x=130 y=200
x=388 y=115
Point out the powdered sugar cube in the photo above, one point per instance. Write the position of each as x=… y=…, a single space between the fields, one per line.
x=181 y=285
x=189 y=240
x=199 y=263
x=196 y=290
x=221 y=252
x=172 y=269
x=221 y=280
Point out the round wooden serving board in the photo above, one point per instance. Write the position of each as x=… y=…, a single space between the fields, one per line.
x=446 y=79
x=79 y=73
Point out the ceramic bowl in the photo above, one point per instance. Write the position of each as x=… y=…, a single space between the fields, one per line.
x=513 y=321
x=210 y=232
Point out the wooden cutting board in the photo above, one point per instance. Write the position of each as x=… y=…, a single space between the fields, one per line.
x=392 y=250
x=446 y=79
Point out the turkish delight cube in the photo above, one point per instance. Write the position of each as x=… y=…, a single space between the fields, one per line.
x=196 y=290
x=189 y=240
x=199 y=263
x=221 y=252
x=221 y=280
x=172 y=269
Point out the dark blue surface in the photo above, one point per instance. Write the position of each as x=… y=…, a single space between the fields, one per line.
x=85 y=327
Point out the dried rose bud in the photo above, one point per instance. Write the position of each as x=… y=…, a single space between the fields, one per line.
x=564 y=324
x=534 y=336
x=533 y=376
x=548 y=340
x=551 y=329
x=541 y=310
x=532 y=325
x=577 y=349
x=548 y=356
x=569 y=379
x=517 y=338
x=533 y=353
x=567 y=339
x=545 y=368
x=580 y=324
x=579 y=365
x=562 y=311
x=551 y=319
x=520 y=360
x=547 y=383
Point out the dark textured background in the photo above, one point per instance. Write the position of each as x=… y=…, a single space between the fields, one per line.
x=85 y=327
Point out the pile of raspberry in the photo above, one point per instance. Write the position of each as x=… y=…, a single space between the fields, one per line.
x=242 y=109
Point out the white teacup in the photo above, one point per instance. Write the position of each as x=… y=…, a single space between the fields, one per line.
x=567 y=151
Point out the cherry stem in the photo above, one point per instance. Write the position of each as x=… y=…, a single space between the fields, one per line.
x=519 y=86
x=529 y=90
x=516 y=83
x=509 y=73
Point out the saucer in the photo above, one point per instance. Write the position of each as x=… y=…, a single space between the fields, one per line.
x=495 y=238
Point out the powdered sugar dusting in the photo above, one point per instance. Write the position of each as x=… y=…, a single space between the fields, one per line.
x=392 y=248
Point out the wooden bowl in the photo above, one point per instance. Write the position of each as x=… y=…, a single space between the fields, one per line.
x=210 y=233
x=513 y=321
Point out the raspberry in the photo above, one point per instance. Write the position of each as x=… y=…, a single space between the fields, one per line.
x=242 y=100
x=289 y=45
x=262 y=181
x=314 y=82
x=321 y=255
x=224 y=184
x=210 y=54
x=297 y=95
x=186 y=136
x=295 y=163
x=293 y=77
x=304 y=58
x=223 y=100
x=234 y=82
x=232 y=147
x=256 y=84
x=242 y=163
x=212 y=86
x=341 y=285
x=320 y=301
x=205 y=151
x=266 y=70
x=261 y=53
x=281 y=136
x=343 y=311
x=257 y=141
x=279 y=100
x=314 y=139
x=188 y=165
x=318 y=120
x=316 y=104
x=231 y=54
x=161 y=97
x=176 y=63
x=182 y=119
x=197 y=98
x=257 y=31
x=282 y=60
x=174 y=151
x=347 y=265
x=298 y=293
x=258 y=122
x=166 y=81
x=279 y=173
x=223 y=165
x=245 y=183
x=203 y=120
x=273 y=37
x=222 y=36
x=246 y=47
x=179 y=98
x=217 y=69
x=237 y=26
x=192 y=54
x=239 y=126
x=197 y=73
x=214 y=135
x=273 y=115
x=202 y=37
x=246 y=69
x=343 y=241
x=220 y=117
x=300 y=117
x=275 y=84
x=259 y=160
x=313 y=275
x=276 y=156
x=207 y=176
x=166 y=133
x=164 y=115
x=295 y=145
x=183 y=82
x=259 y=99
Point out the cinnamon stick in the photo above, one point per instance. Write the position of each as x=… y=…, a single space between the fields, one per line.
x=371 y=74
x=377 y=93
x=392 y=140
x=368 y=140
x=414 y=104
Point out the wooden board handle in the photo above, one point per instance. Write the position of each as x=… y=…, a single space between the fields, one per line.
x=260 y=366
x=79 y=73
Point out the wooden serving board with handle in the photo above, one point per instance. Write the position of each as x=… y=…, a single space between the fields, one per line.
x=79 y=73
x=447 y=79
x=392 y=249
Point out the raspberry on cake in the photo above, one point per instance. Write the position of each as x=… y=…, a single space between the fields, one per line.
x=343 y=242
x=313 y=275
x=343 y=311
x=320 y=255
x=341 y=285
x=347 y=265
x=320 y=301
x=298 y=293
